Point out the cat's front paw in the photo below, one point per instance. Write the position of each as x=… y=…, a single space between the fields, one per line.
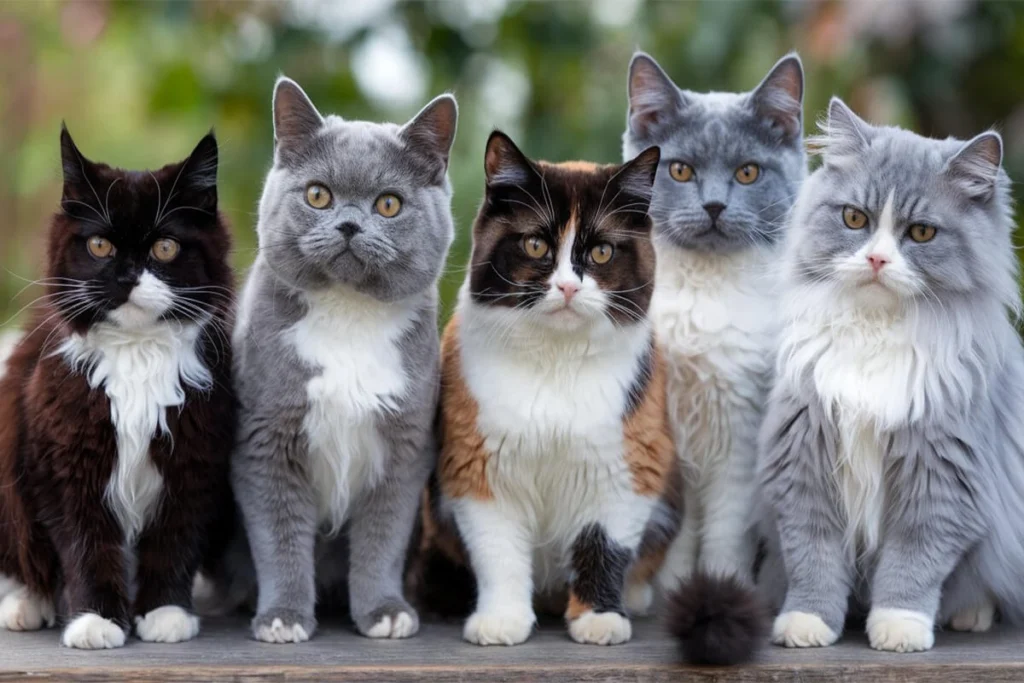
x=22 y=610
x=900 y=630
x=976 y=619
x=638 y=598
x=283 y=626
x=394 y=619
x=600 y=628
x=92 y=632
x=802 y=629
x=167 y=624
x=509 y=627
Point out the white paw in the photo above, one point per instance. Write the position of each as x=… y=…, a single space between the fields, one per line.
x=900 y=630
x=24 y=611
x=638 y=598
x=976 y=619
x=600 y=628
x=92 y=632
x=499 y=628
x=278 y=632
x=402 y=626
x=167 y=624
x=800 y=629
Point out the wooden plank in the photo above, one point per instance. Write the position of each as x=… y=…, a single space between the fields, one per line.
x=224 y=652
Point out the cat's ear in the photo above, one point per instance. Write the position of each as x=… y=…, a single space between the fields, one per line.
x=654 y=99
x=79 y=173
x=846 y=134
x=780 y=96
x=975 y=168
x=295 y=118
x=197 y=178
x=430 y=134
x=504 y=164
x=635 y=178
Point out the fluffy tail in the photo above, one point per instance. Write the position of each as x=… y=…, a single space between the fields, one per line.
x=717 y=619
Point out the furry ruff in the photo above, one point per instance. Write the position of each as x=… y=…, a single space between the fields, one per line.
x=718 y=620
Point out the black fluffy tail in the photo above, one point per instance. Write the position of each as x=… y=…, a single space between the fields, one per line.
x=718 y=620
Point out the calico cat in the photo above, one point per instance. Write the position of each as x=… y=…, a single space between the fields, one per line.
x=893 y=444
x=116 y=409
x=338 y=362
x=556 y=466
x=731 y=166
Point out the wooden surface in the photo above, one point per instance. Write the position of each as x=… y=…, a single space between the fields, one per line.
x=223 y=652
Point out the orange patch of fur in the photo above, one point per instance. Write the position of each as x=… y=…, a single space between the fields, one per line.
x=580 y=166
x=577 y=608
x=650 y=450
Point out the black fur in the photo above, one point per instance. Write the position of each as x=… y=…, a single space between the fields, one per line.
x=599 y=567
x=718 y=620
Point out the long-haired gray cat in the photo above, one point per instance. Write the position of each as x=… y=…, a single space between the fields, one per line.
x=337 y=361
x=893 y=444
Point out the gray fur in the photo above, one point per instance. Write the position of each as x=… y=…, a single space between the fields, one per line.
x=954 y=463
x=303 y=250
x=717 y=133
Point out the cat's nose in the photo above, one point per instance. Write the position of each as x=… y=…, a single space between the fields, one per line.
x=129 y=277
x=714 y=209
x=569 y=289
x=348 y=229
x=877 y=262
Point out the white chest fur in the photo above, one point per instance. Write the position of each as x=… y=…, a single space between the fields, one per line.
x=143 y=372
x=353 y=341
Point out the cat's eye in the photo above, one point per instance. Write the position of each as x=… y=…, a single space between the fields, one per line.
x=535 y=247
x=922 y=233
x=165 y=250
x=388 y=205
x=747 y=173
x=318 y=196
x=100 y=247
x=602 y=253
x=855 y=219
x=680 y=172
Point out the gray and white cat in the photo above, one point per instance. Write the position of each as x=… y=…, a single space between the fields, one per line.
x=730 y=168
x=893 y=443
x=337 y=361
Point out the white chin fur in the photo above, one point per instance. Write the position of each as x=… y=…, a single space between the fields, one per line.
x=92 y=632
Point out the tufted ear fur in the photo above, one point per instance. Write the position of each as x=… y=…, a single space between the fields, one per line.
x=430 y=134
x=975 y=168
x=504 y=164
x=295 y=118
x=654 y=99
x=779 y=98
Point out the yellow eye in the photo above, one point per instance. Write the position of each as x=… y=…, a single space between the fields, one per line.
x=680 y=171
x=922 y=233
x=854 y=218
x=747 y=173
x=165 y=250
x=318 y=196
x=388 y=205
x=100 y=247
x=602 y=253
x=535 y=247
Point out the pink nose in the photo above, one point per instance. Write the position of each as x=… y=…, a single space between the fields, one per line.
x=877 y=262
x=569 y=289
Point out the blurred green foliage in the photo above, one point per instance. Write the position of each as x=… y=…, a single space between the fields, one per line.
x=139 y=82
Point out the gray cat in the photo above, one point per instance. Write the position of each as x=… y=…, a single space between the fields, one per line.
x=893 y=444
x=337 y=361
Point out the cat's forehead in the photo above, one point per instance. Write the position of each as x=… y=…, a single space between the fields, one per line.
x=355 y=154
x=718 y=127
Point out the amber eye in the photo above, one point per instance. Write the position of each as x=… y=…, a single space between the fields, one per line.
x=318 y=196
x=535 y=247
x=680 y=171
x=388 y=205
x=165 y=250
x=602 y=253
x=100 y=247
x=922 y=233
x=854 y=218
x=747 y=173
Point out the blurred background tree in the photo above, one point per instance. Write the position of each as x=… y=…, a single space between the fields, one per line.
x=139 y=82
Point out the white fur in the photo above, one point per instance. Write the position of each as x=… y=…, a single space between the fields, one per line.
x=21 y=610
x=975 y=619
x=143 y=366
x=601 y=628
x=715 y=315
x=900 y=630
x=638 y=598
x=167 y=624
x=801 y=629
x=354 y=340
x=277 y=632
x=402 y=626
x=92 y=632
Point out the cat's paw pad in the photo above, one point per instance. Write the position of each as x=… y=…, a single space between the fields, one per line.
x=638 y=598
x=600 y=628
x=976 y=619
x=167 y=624
x=282 y=626
x=801 y=629
x=92 y=632
x=900 y=630
x=499 y=628
x=24 y=611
